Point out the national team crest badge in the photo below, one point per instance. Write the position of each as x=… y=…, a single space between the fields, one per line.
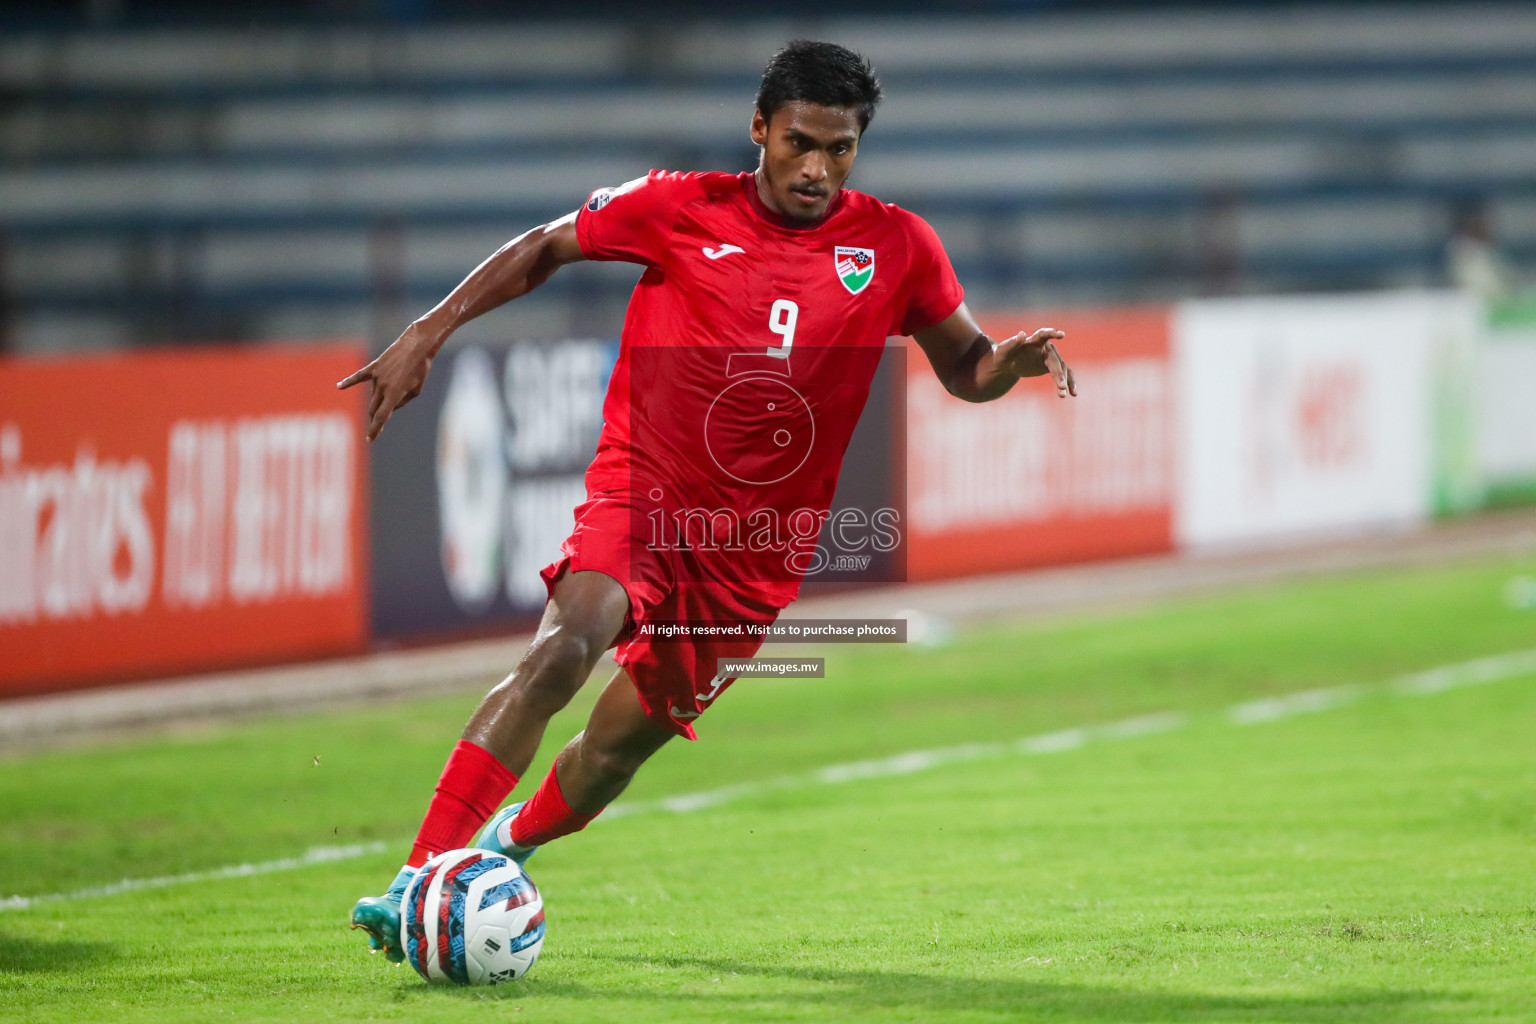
x=855 y=267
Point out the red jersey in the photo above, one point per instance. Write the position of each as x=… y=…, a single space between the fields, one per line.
x=745 y=361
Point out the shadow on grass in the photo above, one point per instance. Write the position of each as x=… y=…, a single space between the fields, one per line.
x=35 y=956
x=852 y=994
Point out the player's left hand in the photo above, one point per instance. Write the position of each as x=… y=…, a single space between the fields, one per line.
x=1034 y=355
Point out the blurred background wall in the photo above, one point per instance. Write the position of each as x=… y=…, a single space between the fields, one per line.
x=1290 y=244
x=173 y=172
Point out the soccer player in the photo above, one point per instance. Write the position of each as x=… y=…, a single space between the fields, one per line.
x=746 y=358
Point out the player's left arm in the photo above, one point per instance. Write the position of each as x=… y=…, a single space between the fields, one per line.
x=972 y=366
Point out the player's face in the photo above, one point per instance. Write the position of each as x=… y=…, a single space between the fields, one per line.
x=808 y=150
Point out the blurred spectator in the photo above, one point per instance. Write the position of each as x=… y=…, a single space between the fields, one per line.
x=1472 y=260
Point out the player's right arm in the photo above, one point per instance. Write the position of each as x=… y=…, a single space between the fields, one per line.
x=515 y=269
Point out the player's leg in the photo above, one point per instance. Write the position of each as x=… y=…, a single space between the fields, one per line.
x=677 y=681
x=586 y=610
x=592 y=770
x=581 y=620
x=584 y=614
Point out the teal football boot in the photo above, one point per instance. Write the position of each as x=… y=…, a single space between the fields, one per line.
x=379 y=916
x=499 y=840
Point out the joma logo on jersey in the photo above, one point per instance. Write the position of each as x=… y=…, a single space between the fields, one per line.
x=855 y=267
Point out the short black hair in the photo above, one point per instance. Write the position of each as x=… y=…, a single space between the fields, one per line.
x=809 y=71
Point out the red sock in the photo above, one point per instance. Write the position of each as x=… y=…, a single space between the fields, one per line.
x=472 y=786
x=547 y=816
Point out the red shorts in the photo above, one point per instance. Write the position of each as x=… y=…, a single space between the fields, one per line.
x=676 y=679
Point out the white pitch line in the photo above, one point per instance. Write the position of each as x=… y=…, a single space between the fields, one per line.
x=1467 y=673
x=1305 y=702
x=907 y=763
x=314 y=855
x=1432 y=681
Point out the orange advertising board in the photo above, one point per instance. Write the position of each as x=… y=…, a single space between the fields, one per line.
x=174 y=511
x=1032 y=479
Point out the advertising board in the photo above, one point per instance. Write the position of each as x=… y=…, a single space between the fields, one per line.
x=1506 y=402
x=172 y=511
x=475 y=483
x=1033 y=479
x=1307 y=415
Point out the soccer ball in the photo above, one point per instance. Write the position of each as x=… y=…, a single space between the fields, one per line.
x=471 y=917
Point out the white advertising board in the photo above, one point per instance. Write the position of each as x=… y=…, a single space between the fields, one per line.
x=1307 y=415
x=1506 y=421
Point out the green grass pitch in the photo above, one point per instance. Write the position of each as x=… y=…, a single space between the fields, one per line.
x=1375 y=861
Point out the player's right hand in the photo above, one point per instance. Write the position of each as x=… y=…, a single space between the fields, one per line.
x=397 y=377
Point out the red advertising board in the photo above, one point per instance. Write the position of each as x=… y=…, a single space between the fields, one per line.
x=1032 y=479
x=174 y=511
